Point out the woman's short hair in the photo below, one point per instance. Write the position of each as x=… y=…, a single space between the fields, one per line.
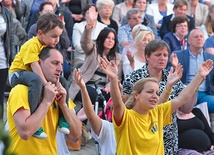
x=140 y=31
x=137 y=88
x=101 y=3
x=179 y=20
x=155 y=45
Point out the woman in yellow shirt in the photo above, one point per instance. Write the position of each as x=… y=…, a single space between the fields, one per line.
x=139 y=130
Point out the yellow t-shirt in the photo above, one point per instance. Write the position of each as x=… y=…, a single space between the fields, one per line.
x=19 y=98
x=28 y=54
x=143 y=134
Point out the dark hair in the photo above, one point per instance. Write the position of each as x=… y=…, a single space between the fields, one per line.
x=45 y=52
x=86 y=8
x=47 y=22
x=179 y=20
x=154 y=45
x=101 y=39
x=41 y=7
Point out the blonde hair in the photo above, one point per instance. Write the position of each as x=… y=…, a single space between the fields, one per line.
x=139 y=32
x=208 y=23
x=100 y=3
x=137 y=88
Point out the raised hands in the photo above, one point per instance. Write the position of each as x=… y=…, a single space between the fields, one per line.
x=175 y=74
x=91 y=16
x=78 y=78
x=174 y=60
x=109 y=68
x=205 y=68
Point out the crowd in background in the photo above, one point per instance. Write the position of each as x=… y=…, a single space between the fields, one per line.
x=143 y=38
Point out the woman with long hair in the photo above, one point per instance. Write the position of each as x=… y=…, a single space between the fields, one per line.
x=104 y=46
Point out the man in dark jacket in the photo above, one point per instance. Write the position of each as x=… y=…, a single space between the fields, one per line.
x=190 y=59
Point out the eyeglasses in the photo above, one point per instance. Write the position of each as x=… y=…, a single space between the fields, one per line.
x=106 y=8
x=182 y=26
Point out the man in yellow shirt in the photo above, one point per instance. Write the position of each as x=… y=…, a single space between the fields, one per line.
x=22 y=124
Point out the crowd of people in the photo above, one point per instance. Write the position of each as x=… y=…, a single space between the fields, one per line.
x=153 y=59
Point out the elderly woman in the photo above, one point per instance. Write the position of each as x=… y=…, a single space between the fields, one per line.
x=133 y=55
x=177 y=38
x=105 y=8
x=156 y=54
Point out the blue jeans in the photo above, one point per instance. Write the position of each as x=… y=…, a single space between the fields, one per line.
x=204 y=97
x=35 y=87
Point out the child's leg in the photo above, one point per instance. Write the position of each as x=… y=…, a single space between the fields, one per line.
x=63 y=125
x=35 y=87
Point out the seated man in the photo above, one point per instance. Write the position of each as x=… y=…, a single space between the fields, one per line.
x=190 y=59
x=22 y=124
x=124 y=33
x=180 y=9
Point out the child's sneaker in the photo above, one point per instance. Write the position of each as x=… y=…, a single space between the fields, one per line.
x=63 y=126
x=40 y=134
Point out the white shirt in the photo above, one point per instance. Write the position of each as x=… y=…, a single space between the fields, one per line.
x=106 y=139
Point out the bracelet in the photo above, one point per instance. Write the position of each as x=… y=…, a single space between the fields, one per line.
x=169 y=92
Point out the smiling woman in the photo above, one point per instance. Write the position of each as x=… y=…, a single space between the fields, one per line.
x=156 y=54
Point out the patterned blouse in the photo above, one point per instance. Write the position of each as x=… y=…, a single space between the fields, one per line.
x=170 y=131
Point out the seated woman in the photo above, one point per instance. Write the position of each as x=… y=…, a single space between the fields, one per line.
x=159 y=10
x=133 y=55
x=194 y=134
x=104 y=46
x=105 y=9
x=177 y=38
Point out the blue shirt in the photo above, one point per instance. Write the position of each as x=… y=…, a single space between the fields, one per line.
x=124 y=34
x=195 y=62
x=209 y=43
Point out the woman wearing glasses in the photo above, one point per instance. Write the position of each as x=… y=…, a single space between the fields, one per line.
x=177 y=39
x=133 y=55
x=104 y=46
